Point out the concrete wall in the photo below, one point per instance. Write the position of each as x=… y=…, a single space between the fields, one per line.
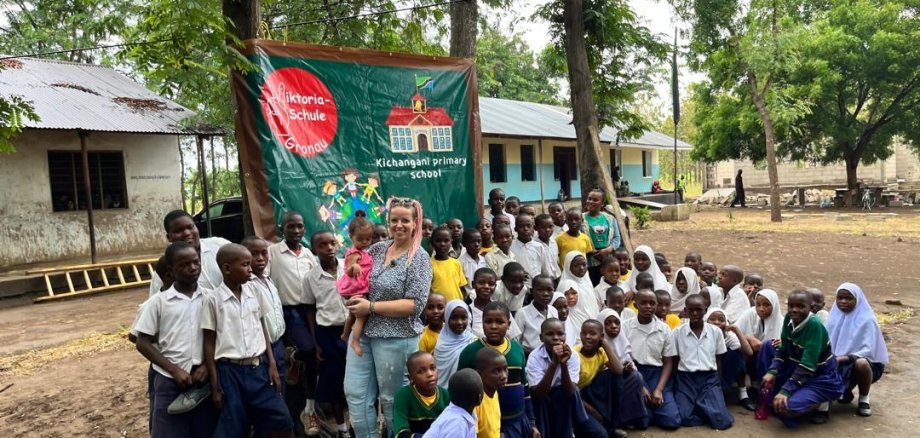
x=32 y=232
x=529 y=191
x=903 y=164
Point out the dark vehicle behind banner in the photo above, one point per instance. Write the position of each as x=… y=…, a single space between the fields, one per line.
x=226 y=219
x=331 y=131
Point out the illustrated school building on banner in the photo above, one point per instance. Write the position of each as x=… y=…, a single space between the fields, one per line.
x=528 y=147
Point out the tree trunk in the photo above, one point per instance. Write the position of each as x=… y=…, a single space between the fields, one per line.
x=464 y=28
x=243 y=18
x=593 y=173
x=182 y=170
x=775 y=214
x=852 y=195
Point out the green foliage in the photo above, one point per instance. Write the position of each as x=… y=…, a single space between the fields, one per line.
x=642 y=214
x=506 y=68
x=624 y=57
x=13 y=110
x=223 y=184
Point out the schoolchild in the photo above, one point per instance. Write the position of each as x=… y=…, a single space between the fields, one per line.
x=561 y=303
x=600 y=378
x=457 y=419
x=734 y=300
x=168 y=336
x=531 y=317
x=452 y=341
x=817 y=304
x=326 y=317
x=501 y=255
x=493 y=369
x=180 y=227
x=485 y=230
x=434 y=322
x=573 y=239
x=610 y=277
x=245 y=385
x=455 y=226
x=663 y=309
x=513 y=288
x=616 y=300
x=530 y=253
x=557 y=213
x=575 y=279
x=698 y=347
x=632 y=409
x=447 y=273
x=417 y=405
x=274 y=319
x=753 y=283
x=471 y=259
x=497 y=207
x=544 y=225
x=686 y=283
x=644 y=262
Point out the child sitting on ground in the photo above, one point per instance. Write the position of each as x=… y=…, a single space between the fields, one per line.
x=418 y=404
x=817 y=304
x=356 y=280
x=600 y=378
x=517 y=417
x=738 y=353
x=753 y=283
x=858 y=344
x=686 y=283
x=553 y=371
x=708 y=273
x=610 y=277
x=803 y=371
x=447 y=274
x=734 y=301
x=501 y=255
x=693 y=260
x=644 y=261
x=531 y=317
x=452 y=341
x=484 y=286
x=493 y=369
x=698 y=348
x=632 y=409
x=561 y=303
x=663 y=309
x=616 y=300
x=244 y=388
x=434 y=322
x=575 y=278
x=457 y=419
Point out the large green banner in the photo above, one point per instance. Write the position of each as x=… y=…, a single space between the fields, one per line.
x=329 y=132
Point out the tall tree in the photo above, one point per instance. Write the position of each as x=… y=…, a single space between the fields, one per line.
x=464 y=28
x=861 y=72
x=506 y=68
x=748 y=49
x=593 y=174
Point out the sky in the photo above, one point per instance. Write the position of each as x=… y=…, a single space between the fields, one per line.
x=656 y=15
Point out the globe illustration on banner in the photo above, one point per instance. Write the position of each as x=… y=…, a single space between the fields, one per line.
x=299 y=111
x=343 y=200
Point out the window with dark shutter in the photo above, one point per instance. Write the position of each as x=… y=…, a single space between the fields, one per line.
x=106 y=180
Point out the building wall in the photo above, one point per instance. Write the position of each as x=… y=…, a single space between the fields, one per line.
x=529 y=191
x=904 y=164
x=32 y=232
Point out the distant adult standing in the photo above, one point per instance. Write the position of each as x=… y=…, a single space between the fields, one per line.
x=739 y=191
x=399 y=284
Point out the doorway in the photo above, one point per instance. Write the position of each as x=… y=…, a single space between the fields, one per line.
x=565 y=168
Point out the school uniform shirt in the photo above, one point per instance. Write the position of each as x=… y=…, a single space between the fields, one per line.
x=532 y=256
x=454 y=422
x=528 y=323
x=600 y=292
x=287 y=270
x=488 y=417
x=808 y=345
x=735 y=303
x=237 y=322
x=174 y=319
x=497 y=259
x=514 y=397
x=447 y=278
x=476 y=325
x=210 y=277
x=590 y=366
x=491 y=218
x=514 y=302
x=274 y=319
x=696 y=353
x=320 y=290
x=823 y=316
x=557 y=230
x=628 y=313
x=648 y=341
x=732 y=342
x=470 y=266
x=428 y=339
x=567 y=243
x=538 y=363
x=552 y=254
x=413 y=413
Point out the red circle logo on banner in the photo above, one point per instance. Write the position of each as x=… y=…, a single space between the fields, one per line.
x=299 y=110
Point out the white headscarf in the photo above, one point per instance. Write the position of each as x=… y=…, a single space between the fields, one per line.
x=678 y=300
x=620 y=344
x=661 y=282
x=715 y=298
x=856 y=332
x=586 y=308
x=572 y=337
x=449 y=346
x=752 y=324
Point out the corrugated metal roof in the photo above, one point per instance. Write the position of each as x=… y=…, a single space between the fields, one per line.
x=73 y=96
x=537 y=120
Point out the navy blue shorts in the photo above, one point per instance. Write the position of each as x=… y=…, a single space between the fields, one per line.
x=330 y=387
x=198 y=422
x=846 y=371
x=249 y=399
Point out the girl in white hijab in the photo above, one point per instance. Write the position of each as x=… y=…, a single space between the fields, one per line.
x=686 y=283
x=644 y=261
x=632 y=406
x=560 y=302
x=574 y=276
x=857 y=342
x=764 y=321
x=454 y=337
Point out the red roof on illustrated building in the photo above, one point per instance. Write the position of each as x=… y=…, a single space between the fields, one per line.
x=403 y=116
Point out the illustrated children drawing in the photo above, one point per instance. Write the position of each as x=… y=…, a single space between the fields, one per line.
x=355 y=282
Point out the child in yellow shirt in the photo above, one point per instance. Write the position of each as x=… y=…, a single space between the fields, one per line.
x=447 y=273
x=434 y=322
x=573 y=239
x=493 y=369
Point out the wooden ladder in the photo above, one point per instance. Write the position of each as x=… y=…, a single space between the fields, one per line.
x=140 y=271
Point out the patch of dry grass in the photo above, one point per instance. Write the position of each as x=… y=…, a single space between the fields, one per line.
x=30 y=362
x=905 y=226
x=899 y=317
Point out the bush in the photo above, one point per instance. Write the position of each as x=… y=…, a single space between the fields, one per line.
x=642 y=214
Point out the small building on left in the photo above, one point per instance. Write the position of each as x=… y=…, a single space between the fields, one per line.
x=130 y=139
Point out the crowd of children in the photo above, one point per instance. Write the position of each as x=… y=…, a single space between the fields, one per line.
x=535 y=326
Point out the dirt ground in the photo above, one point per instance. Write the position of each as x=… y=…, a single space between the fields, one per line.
x=72 y=374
